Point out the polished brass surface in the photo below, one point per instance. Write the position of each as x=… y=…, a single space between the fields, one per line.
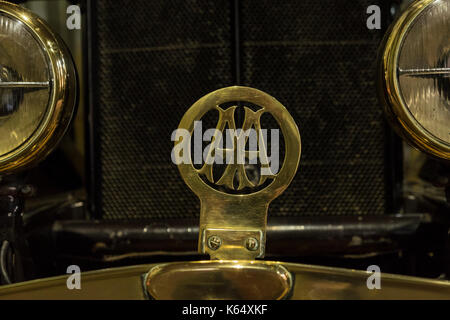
x=219 y=280
x=62 y=86
x=236 y=217
x=395 y=108
x=309 y=283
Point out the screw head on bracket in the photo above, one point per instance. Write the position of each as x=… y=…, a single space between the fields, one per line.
x=251 y=244
x=214 y=242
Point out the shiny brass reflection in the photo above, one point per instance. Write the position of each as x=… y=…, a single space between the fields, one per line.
x=309 y=283
x=219 y=280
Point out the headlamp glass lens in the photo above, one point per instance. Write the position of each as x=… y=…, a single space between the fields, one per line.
x=25 y=84
x=424 y=73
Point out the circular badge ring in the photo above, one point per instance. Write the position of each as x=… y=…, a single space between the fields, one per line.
x=285 y=121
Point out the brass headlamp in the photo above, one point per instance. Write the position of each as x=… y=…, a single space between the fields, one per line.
x=415 y=76
x=37 y=88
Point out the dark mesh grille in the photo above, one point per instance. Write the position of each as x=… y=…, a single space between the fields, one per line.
x=317 y=57
x=156 y=58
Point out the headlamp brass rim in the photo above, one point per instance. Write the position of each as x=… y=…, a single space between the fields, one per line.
x=398 y=114
x=62 y=100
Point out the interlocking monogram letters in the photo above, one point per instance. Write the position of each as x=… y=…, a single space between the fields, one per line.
x=236 y=155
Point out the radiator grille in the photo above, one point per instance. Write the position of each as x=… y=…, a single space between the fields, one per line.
x=318 y=58
x=156 y=58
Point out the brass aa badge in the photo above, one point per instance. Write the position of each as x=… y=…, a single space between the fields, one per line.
x=233 y=224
